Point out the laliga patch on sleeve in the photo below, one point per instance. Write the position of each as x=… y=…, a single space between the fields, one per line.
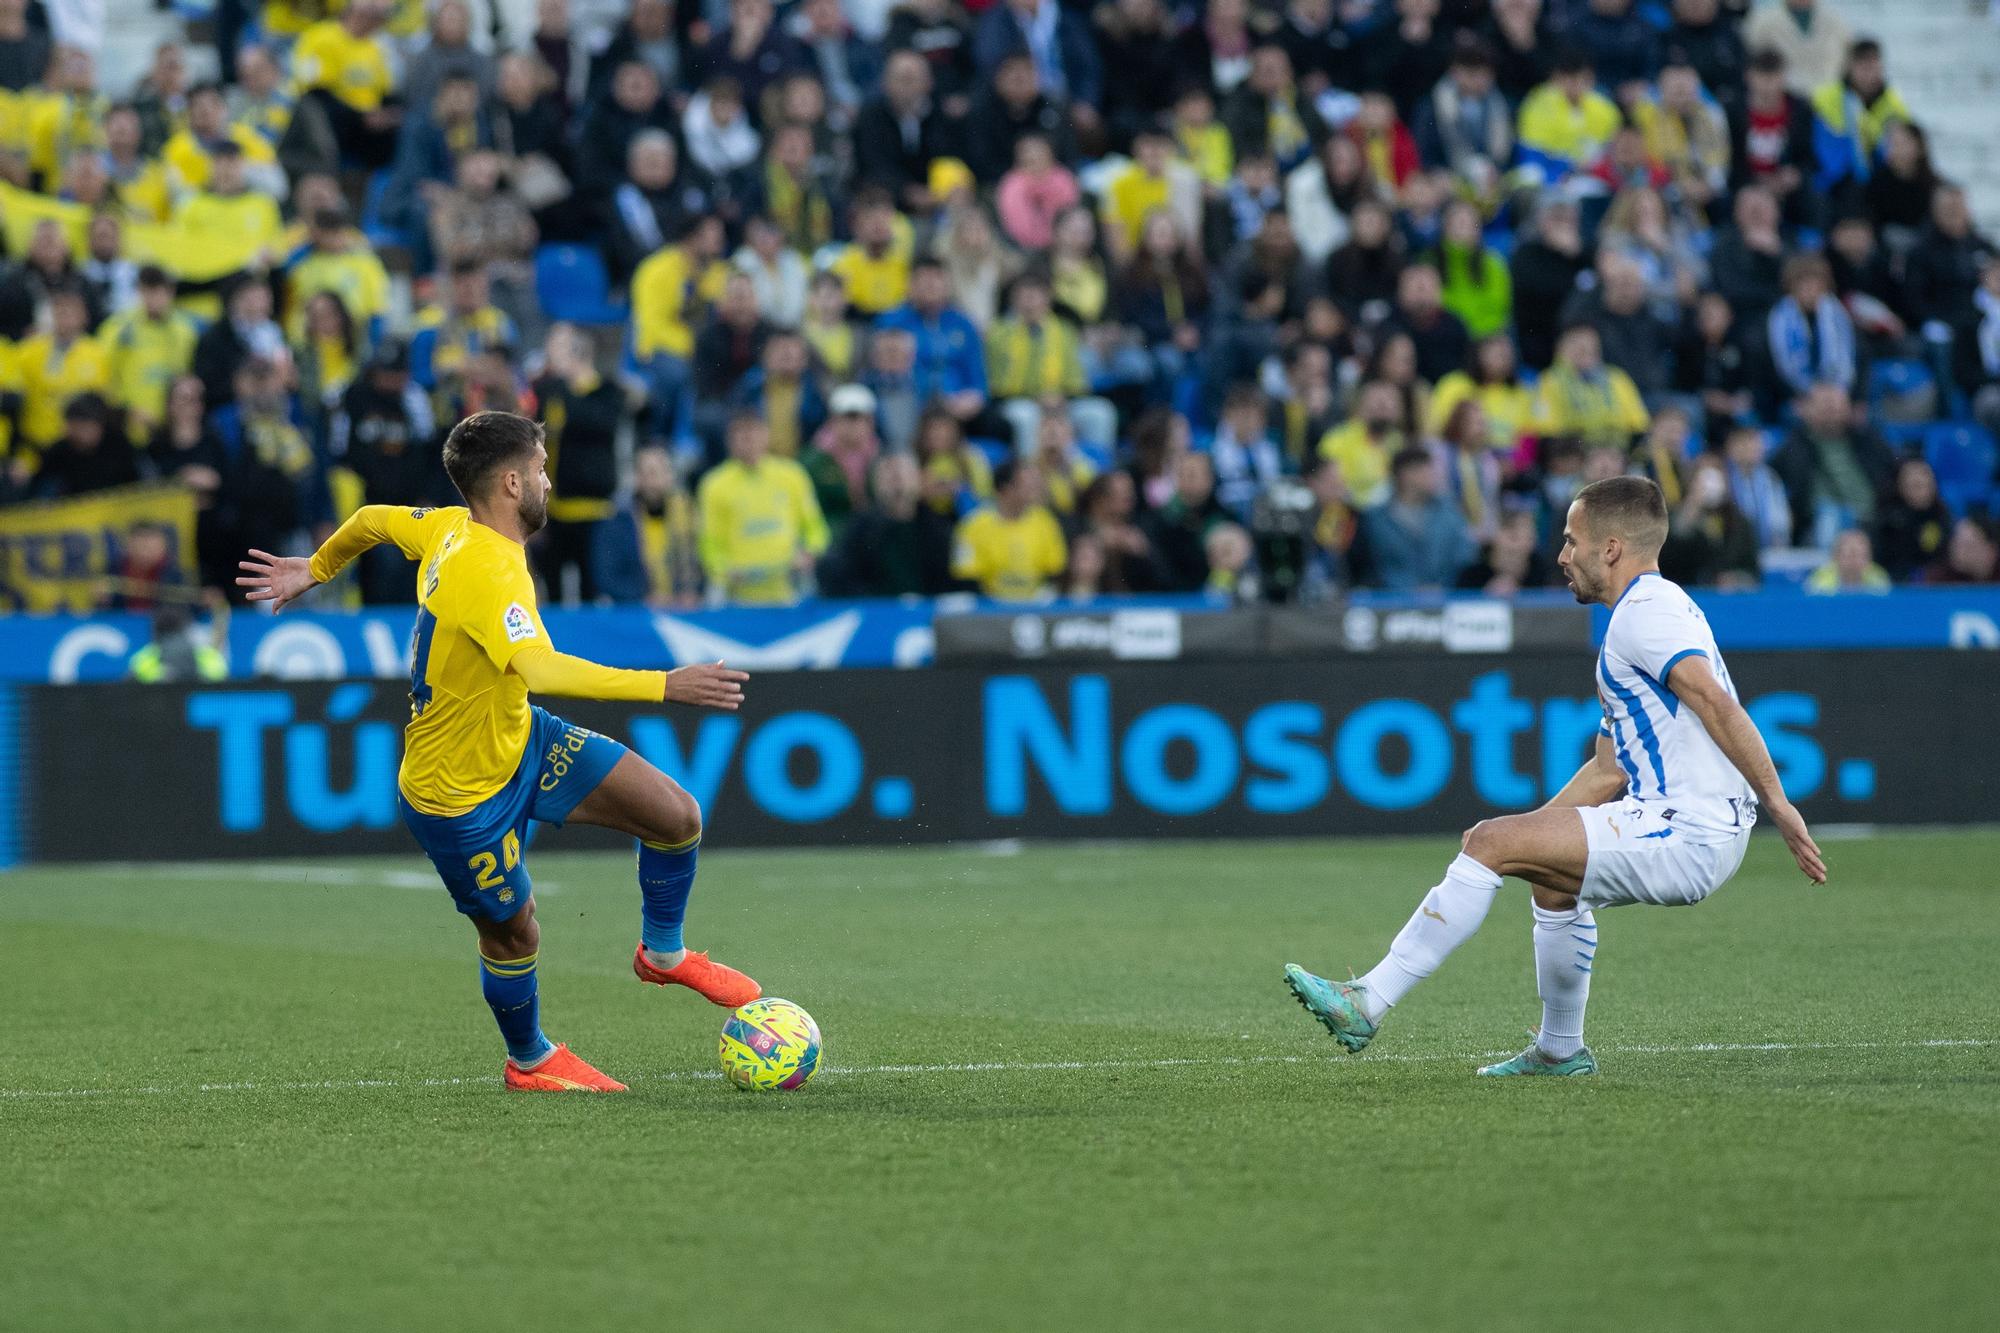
x=520 y=625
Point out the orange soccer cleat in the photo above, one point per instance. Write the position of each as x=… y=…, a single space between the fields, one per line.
x=714 y=982
x=562 y=1071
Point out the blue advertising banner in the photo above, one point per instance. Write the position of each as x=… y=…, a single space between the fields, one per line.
x=1214 y=749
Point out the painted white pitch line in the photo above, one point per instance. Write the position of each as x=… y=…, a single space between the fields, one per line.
x=302 y=874
x=1002 y=1067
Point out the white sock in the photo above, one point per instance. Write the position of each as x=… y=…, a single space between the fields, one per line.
x=1565 y=943
x=1450 y=914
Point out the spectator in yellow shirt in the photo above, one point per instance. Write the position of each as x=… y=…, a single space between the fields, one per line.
x=340 y=74
x=140 y=181
x=1582 y=398
x=1203 y=142
x=190 y=152
x=1143 y=188
x=1034 y=362
x=68 y=119
x=875 y=268
x=1367 y=441
x=1565 y=124
x=149 y=346
x=56 y=366
x=671 y=294
x=228 y=227
x=761 y=526
x=1013 y=549
x=338 y=261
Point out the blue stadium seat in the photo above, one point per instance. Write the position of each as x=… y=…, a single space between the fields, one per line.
x=1964 y=458
x=1905 y=436
x=996 y=451
x=574 y=287
x=1898 y=377
x=380 y=234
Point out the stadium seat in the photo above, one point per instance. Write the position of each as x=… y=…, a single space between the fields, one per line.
x=574 y=287
x=1902 y=389
x=379 y=233
x=1905 y=436
x=1964 y=458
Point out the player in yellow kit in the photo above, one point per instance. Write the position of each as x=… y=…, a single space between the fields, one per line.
x=479 y=761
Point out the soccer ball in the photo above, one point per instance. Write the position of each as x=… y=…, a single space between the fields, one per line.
x=770 y=1045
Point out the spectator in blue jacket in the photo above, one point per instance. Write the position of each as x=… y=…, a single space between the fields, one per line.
x=1065 y=54
x=1417 y=538
x=950 y=367
x=1624 y=47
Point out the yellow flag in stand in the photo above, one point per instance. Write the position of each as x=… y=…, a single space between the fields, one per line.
x=21 y=211
x=58 y=555
x=191 y=254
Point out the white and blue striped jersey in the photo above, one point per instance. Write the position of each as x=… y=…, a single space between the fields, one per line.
x=1666 y=753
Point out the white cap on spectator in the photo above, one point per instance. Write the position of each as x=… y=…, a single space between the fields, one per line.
x=858 y=398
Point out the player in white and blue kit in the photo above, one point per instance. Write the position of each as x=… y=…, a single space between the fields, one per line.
x=1660 y=814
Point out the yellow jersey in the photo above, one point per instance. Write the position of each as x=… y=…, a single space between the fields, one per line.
x=188 y=159
x=1131 y=198
x=219 y=234
x=477 y=642
x=1012 y=560
x=1598 y=409
x=754 y=523
x=1573 y=133
x=51 y=376
x=354 y=69
x=355 y=276
x=875 y=285
x=62 y=126
x=146 y=355
x=1364 y=461
x=668 y=300
x=1510 y=408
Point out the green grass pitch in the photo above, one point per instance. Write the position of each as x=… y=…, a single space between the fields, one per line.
x=1066 y=1090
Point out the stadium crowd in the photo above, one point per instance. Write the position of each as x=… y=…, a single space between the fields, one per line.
x=869 y=298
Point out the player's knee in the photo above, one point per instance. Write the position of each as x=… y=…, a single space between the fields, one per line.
x=1482 y=843
x=679 y=816
x=516 y=937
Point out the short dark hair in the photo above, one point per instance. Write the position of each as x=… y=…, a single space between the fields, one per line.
x=1243 y=394
x=1630 y=507
x=1004 y=473
x=1408 y=458
x=484 y=444
x=1572 y=60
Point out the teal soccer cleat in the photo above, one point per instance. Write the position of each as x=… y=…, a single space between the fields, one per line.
x=1336 y=1004
x=1532 y=1061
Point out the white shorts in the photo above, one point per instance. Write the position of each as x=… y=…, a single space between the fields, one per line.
x=1638 y=857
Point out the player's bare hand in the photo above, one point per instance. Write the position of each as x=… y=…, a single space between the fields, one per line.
x=1792 y=827
x=277 y=579
x=707 y=685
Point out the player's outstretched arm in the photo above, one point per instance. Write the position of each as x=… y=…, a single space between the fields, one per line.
x=1731 y=728
x=1598 y=781
x=282 y=579
x=707 y=685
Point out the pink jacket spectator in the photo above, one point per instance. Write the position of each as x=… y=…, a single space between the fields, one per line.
x=1030 y=201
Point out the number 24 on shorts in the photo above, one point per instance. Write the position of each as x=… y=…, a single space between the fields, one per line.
x=488 y=868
